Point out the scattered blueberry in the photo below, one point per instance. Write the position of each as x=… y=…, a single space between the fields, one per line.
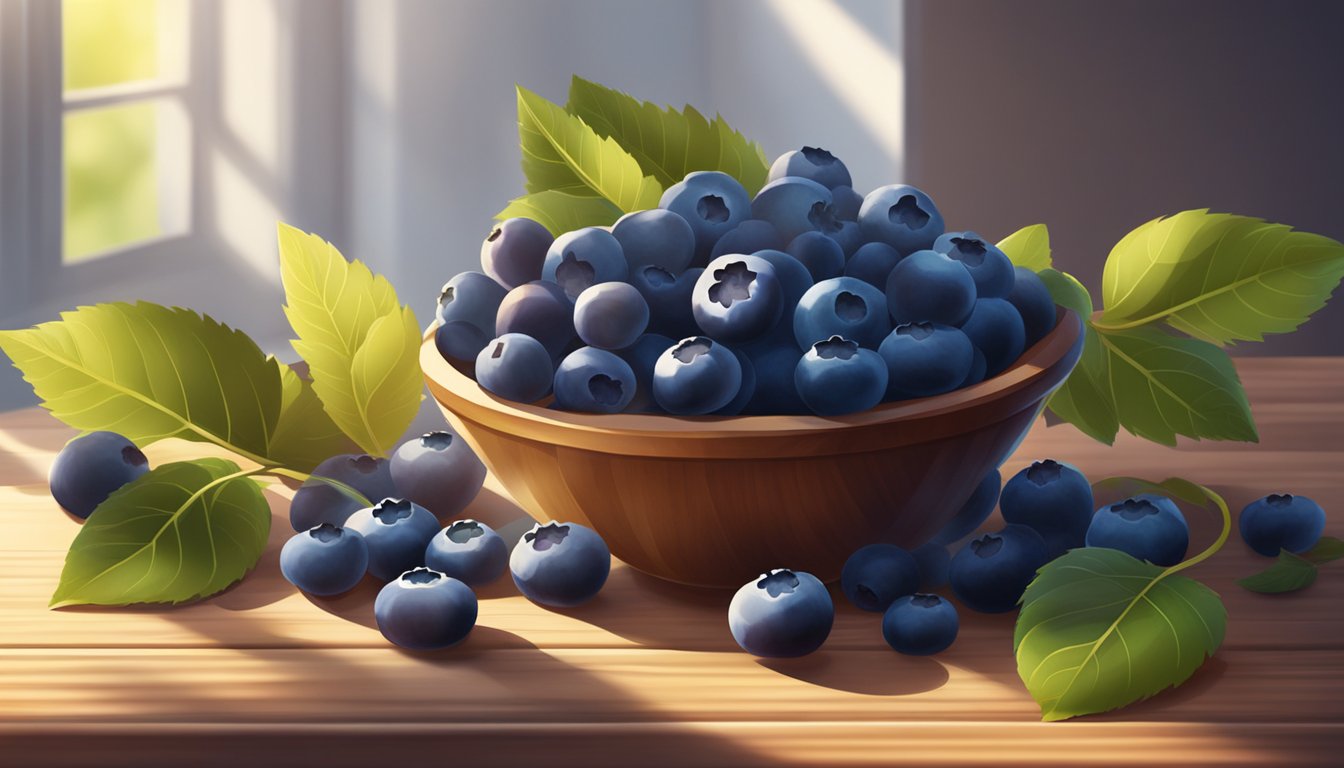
x=471 y=297
x=821 y=254
x=516 y=367
x=610 y=315
x=1033 y=302
x=424 y=610
x=397 y=532
x=925 y=359
x=560 y=564
x=655 y=238
x=316 y=502
x=737 y=298
x=872 y=263
x=900 y=216
x=1053 y=498
x=325 y=560
x=838 y=376
x=927 y=286
x=990 y=573
x=468 y=551
x=697 y=376
x=974 y=512
x=845 y=307
x=90 y=467
x=813 y=163
x=541 y=310
x=594 y=380
x=1282 y=521
x=781 y=614
x=438 y=471
x=933 y=561
x=750 y=236
x=989 y=267
x=514 y=252
x=794 y=205
x=582 y=258
x=920 y=625
x=996 y=329
x=877 y=574
x=669 y=299
x=1146 y=527
x=713 y=203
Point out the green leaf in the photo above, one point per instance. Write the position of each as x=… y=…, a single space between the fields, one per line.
x=1028 y=247
x=562 y=153
x=1328 y=549
x=305 y=434
x=360 y=344
x=668 y=143
x=1099 y=630
x=1289 y=573
x=150 y=372
x=183 y=531
x=1067 y=291
x=560 y=212
x=1084 y=399
x=1219 y=277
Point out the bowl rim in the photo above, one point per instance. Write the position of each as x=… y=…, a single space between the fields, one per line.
x=643 y=433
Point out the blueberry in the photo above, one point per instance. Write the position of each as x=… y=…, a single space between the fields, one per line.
x=849 y=237
x=979 y=369
x=1146 y=527
x=473 y=298
x=655 y=238
x=1282 y=521
x=794 y=280
x=468 y=551
x=90 y=467
x=459 y=340
x=424 y=610
x=582 y=258
x=872 y=263
x=737 y=298
x=1033 y=302
x=325 y=560
x=781 y=614
x=928 y=286
x=560 y=564
x=877 y=574
x=514 y=251
x=438 y=471
x=974 y=512
x=750 y=236
x=669 y=299
x=1053 y=498
x=516 y=367
x=745 y=391
x=920 y=625
x=813 y=163
x=610 y=315
x=989 y=267
x=776 y=392
x=594 y=380
x=820 y=253
x=933 y=561
x=925 y=359
x=900 y=216
x=713 y=203
x=641 y=357
x=397 y=532
x=696 y=376
x=842 y=306
x=990 y=573
x=996 y=329
x=794 y=205
x=847 y=203
x=837 y=376
x=541 y=310
x=316 y=502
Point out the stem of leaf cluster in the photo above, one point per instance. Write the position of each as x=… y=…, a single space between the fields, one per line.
x=1222 y=536
x=304 y=477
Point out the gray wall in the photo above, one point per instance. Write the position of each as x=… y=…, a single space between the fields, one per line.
x=1095 y=117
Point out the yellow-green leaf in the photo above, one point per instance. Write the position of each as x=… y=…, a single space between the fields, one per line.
x=348 y=319
x=562 y=153
x=1219 y=277
x=1028 y=247
x=150 y=372
x=668 y=143
x=1084 y=399
x=560 y=212
x=305 y=434
x=181 y=532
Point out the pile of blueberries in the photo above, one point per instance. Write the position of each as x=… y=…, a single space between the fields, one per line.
x=807 y=298
x=429 y=572
x=1048 y=508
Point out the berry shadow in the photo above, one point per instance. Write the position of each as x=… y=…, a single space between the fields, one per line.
x=855 y=673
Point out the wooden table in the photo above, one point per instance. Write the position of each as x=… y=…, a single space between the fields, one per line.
x=647 y=674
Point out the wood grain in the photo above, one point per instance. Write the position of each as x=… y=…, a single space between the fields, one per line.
x=647 y=674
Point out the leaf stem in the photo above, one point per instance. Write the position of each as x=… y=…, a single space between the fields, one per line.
x=1187 y=491
x=304 y=477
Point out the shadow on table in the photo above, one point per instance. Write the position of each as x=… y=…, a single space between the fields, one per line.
x=853 y=673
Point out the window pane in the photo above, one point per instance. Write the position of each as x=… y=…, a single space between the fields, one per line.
x=111 y=178
x=108 y=42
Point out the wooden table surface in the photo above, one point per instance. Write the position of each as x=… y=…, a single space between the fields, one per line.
x=647 y=674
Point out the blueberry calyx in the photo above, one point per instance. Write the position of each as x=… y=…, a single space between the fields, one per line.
x=1134 y=509
x=463 y=531
x=494 y=234
x=420 y=577
x=987 y=546
x=850 y=307
x=132 y=456
x=546 y=536
x=446 y=295
x=836 y=347
x=604 y=389
x=574 y=275
x=691 y=348
x=907 y=211
x=778 y=582
x=658 y=277
x=920 y=600
x=822 y=216
x=970 y=250
x=1044 y=472
x=734 y=284
x=712 y=208
x=498 y=351
x=326 y=532
x=390 y=510
x=364 y=463
x=1279 y=499
x=918 y=330
x=818 y=156
x=437 y=441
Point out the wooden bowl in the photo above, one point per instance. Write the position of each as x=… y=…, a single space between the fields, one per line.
x=714 y=501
